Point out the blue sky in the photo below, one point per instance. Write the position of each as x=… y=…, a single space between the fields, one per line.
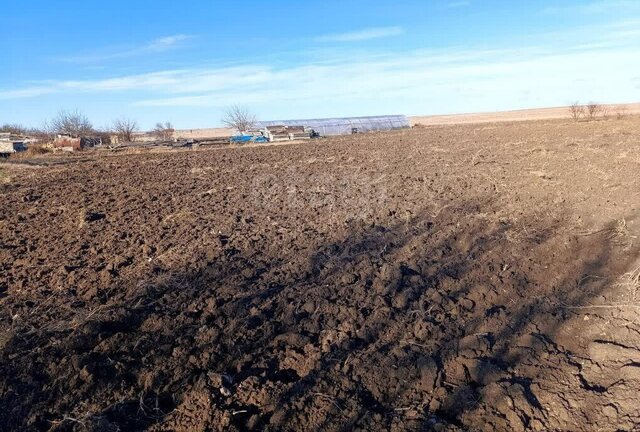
x=186 y=61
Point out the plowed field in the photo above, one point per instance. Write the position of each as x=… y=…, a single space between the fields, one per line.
x=469 y=277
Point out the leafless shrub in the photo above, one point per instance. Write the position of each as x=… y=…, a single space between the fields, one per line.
x=125 y=128
x=576 y=110
x=163 y=131
x=239 y=118
x=594 y=110
x=622 y=111
x=72 y=123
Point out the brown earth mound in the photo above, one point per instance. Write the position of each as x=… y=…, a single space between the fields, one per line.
x=449 y=278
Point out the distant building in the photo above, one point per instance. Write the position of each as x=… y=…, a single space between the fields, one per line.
x=10 y=144
x=342 y=126
x=67 y=142
x=285 y=133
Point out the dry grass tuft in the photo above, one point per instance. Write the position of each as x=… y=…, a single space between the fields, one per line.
x=631 y=283
x=4 y=177
x=33 y=150
x=619 y=233
x=634 y=278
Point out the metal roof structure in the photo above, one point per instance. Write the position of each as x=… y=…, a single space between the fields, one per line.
x=344 y=126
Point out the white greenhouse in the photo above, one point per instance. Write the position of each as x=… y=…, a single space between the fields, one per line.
x=344 y=126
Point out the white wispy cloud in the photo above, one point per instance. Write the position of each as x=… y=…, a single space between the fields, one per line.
x=166 y=43
x=362 y=35
x=158 y=45
x=252 y=78
x=27 y=92
x=602 y=68
x=469 y=75
x=458 y=4
x=478 y=78
x=595 y=7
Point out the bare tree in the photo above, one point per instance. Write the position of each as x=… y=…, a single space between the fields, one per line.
x=18 y=129
x=72 y=123
x=576 y=110
x=239 y=118
x=593 y=110
x=125 y=128
x=163 y=131
x=14 y=129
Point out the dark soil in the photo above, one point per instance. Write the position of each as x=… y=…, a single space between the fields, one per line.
x=446 y=278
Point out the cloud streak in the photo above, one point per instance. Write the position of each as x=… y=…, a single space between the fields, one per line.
x=362 y=35
x=463 y=77
x=420 y=78
x=458 y=4
x=158 y=45
x=595 y=8
x=600 y=68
